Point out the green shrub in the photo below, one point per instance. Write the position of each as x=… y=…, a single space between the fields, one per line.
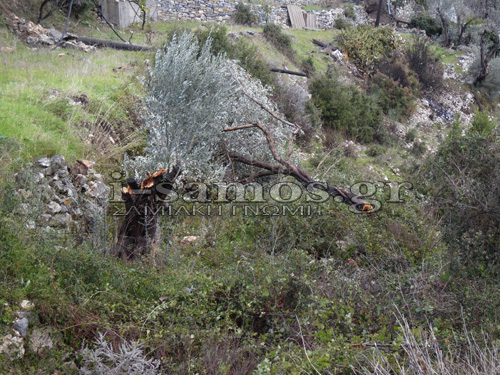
x=349 y=12
x=307 y=66
x=411 y=135
x=424 y=21
x=391 y=96
x=482 y=124
x=424 y=62
x=342 y=24
x=347 y=109
x=274 y=34
x=242 y=50
x=464 y=179
x=367 y=45
x=375 y=150
x=397 y=69
x=244 y=15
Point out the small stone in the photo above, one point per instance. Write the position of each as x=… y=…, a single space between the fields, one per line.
x=26 y=194
x=45 y=39
x=40 y=340
x=61 y=220
x=21 y=326
x=43 y=162
x=80 y=179
x=63 y=172
x=53 y=207
x=58 y=161
x=11 y=347
x=30 y=224
x=189 y=240
x=23 y=209
x=7 y=49
x=54 y=34
x=27 y=305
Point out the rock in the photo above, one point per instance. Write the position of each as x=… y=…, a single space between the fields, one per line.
x=43 y=162
x=31 y=316
x=45 y=39
x=30 y=224
x=24 y=209
x=11 y=347
x=53 y=207
x=32 y=41
x=40 y=340
x=54 y=34
x=62 y=220
x=80 y=179
x=27 y=305
x=99 y=191
x=63 y=172
x=189 y=240
x=25 y=194
x=58 y=162
x=21 y=326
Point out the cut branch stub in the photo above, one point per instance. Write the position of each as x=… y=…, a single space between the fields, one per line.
x=139 y=230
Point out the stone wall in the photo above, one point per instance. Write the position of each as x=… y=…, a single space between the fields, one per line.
x=221 y=11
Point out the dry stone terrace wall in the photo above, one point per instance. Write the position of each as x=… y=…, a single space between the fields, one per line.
x=221 y=11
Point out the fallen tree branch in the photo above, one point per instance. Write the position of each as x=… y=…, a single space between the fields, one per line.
x=110 y=44
x=300 y=74
x=285 y=167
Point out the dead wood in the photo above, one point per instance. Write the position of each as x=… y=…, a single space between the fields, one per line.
x=140 y=231
x=300 y=74
x=110 y=44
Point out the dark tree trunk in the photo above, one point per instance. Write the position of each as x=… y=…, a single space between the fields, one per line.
x=139 y=231
x=486 y=57
x=462 y=28
x=445 y=28
x=379 y=12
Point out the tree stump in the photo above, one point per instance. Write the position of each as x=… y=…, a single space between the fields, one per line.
x=140 y=231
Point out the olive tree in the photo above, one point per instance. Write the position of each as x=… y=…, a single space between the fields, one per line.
x=206 y=115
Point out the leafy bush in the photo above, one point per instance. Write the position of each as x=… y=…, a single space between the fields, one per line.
x=424 y=62
x=307 y=66
x=341 y=23
x=349 y=12
x=347 y=109
x=465 y=182
x=367 y=45
x=424 y=21
x=482 y=124
x=375 y=150
x=397 y=69
x=242 y=50
x=391 y=96
x=283 y=42
x=244 y=15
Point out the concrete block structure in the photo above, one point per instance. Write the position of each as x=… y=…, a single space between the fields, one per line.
x=122 y=13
